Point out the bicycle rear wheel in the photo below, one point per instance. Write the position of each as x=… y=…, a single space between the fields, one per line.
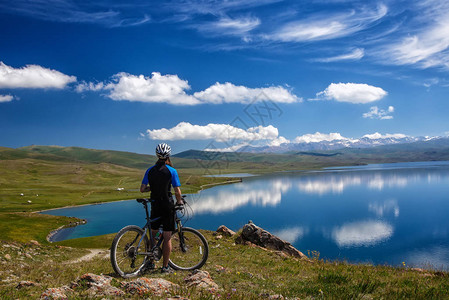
x=126 y=259
x=189 y=250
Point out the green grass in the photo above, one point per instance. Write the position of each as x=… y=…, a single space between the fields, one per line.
x=242 y=272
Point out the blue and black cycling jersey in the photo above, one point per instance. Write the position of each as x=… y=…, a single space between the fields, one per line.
x=161 y=178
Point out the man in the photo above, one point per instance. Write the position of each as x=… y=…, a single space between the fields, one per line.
x=158 y=180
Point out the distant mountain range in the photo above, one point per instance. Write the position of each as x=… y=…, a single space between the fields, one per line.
x=337 y=144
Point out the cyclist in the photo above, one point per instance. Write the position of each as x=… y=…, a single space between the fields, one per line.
x=158 y=180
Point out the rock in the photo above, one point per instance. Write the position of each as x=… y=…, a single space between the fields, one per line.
x=28 y=256
x=223 y=230
x=35 y=243
x=56 y=293
x=99 y=285
x=260 y=237
x=97 y=280
x=218 y=237
x=154 y=286
x=202 y=280
x=26 y=283
x=7 y=257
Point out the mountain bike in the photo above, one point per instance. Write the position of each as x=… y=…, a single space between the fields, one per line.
x=133 y=251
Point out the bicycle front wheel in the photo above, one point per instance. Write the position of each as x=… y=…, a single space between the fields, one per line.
x=126 y=251
x=189 y=250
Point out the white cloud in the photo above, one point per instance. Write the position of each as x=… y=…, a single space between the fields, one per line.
x=351 y=92
x=33 y=76
x=381 y=114
x=377 y=136
x=172 y=90
x=328 y=27
x=217 y=132
x=355 y=54
x=319 y=137
x=278 y=141
x=6 y=98
x=230 y=93
x=365 y=233
x=157 y=88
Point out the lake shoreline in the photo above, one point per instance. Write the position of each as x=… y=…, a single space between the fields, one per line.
x=54 y=232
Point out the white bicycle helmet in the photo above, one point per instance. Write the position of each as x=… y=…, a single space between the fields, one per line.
x=163 y=151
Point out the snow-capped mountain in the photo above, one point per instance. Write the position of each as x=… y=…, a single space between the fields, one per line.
x=339 y=142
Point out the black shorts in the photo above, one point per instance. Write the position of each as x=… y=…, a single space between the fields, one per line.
x=165 y=210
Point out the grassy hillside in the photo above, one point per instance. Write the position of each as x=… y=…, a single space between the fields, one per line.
x=241 y=272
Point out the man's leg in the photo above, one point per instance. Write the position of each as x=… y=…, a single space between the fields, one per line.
x=166 y=247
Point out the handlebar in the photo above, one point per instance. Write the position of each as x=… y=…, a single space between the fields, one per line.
x=149 y=200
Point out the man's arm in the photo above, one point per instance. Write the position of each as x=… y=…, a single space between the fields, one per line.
x=144 y=188
x=178 y=195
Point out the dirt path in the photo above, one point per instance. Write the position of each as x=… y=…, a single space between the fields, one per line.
x=102 y=253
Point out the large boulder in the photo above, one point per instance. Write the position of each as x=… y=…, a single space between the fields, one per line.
x=260 y=237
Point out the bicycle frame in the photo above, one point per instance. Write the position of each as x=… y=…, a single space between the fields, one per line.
x=147 y=228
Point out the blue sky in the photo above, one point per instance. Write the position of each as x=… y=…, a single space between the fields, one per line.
x=125 y=75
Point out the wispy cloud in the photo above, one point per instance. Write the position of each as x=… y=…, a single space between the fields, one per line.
x=171 y=89
x=229 y=26
x=33 y=76
x=109 y=15
x=381 y=114
x=426 y=42
x=357 y=93
x=322 y=27
x=6 y=98
x=355 y=54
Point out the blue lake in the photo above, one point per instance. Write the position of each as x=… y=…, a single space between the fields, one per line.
x=379 y=214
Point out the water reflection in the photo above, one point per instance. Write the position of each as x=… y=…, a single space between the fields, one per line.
x=291 y=234
x=381 y=209
x=436 y=257
x=265 y=194
x=328 y=184
x=337 y=183
x=364 y=233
